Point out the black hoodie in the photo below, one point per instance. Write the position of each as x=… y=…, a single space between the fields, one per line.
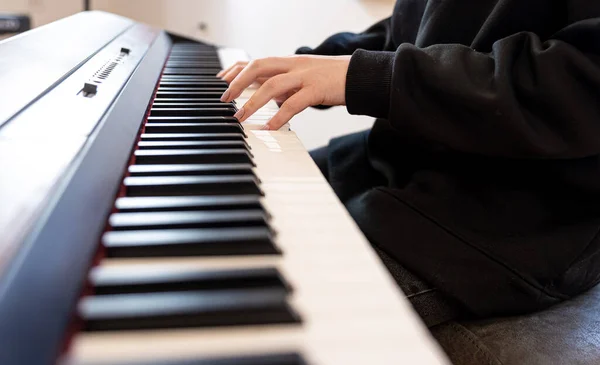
x=489 y=144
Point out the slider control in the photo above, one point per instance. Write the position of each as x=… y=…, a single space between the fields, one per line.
x=90 y=88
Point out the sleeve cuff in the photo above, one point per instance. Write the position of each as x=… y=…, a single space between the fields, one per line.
x=305 y=50
x=368 y=83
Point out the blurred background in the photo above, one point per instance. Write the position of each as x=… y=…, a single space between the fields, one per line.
x=261 y=27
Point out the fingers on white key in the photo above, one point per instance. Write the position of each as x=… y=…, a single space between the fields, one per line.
x=292 y=106
x=265 y=67
x=271 y=89
x=239 y=65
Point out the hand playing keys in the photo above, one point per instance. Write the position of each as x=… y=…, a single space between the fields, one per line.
x=296 y=82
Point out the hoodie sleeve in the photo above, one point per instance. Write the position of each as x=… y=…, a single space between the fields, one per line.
x=377 y=38
x=524 y=99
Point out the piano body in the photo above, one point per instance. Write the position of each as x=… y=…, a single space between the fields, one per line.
x=142 y=224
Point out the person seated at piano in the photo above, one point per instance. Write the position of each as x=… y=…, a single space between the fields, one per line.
x=479 y=183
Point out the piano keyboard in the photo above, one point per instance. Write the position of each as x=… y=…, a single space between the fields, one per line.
x=228 y=240
x=225 y=245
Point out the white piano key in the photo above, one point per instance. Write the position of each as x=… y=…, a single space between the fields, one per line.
x=352 y=311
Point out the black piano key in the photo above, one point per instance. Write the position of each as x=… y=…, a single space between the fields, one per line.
x=189 y=94
x=119 y=280
x=191 y=101
x=190 y=242
x=185 y=89
x=194 y=61
x=188 y=77
x=158 y=104
x=195 y=57
x=192 y=83
x=191 y=77
x=191 y=170
x=194 y=45
x=192 y=144
x=190 y=111
x=181 y=53
x=206 y=51
x=194 y=219
x=186 y=66
x=208 y=63
x=194 y=128
x=193 y=53
x=203 y=80
x=192 y=119
x=191 y=185
x=191 y=71
x=184 y=203
x=186 y=310
x=270 y=359
x=192 y=137
x=182 y=156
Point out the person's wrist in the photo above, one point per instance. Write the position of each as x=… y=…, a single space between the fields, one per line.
x=368 y=83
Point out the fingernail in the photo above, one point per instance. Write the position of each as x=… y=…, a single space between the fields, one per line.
x=219 y=73
x=240 y=114
x=225 y=95
x=265 y=127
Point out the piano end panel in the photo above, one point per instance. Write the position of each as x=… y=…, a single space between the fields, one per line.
x=50 y=268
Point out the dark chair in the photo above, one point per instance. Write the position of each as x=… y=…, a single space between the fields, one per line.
x=566 y=334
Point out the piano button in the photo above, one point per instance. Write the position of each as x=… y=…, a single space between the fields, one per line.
x=194 y=128
x=188 y=111
x=192 y=137
x=191 y=185
x=194 y=219
x=181 y=203
x=238 y=155
x=190 y=242
x=266 y=359
x=192 y=144
x=186 y=310
x=134 y=279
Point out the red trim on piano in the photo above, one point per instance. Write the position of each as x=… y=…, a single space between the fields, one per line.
x=76 y=323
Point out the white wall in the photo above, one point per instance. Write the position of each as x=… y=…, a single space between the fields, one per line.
x=261 y=27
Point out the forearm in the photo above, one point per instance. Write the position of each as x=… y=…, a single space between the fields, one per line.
x=524 y=99
x=376 y=37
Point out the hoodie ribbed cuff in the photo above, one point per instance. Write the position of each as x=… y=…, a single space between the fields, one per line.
x=368 y=83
